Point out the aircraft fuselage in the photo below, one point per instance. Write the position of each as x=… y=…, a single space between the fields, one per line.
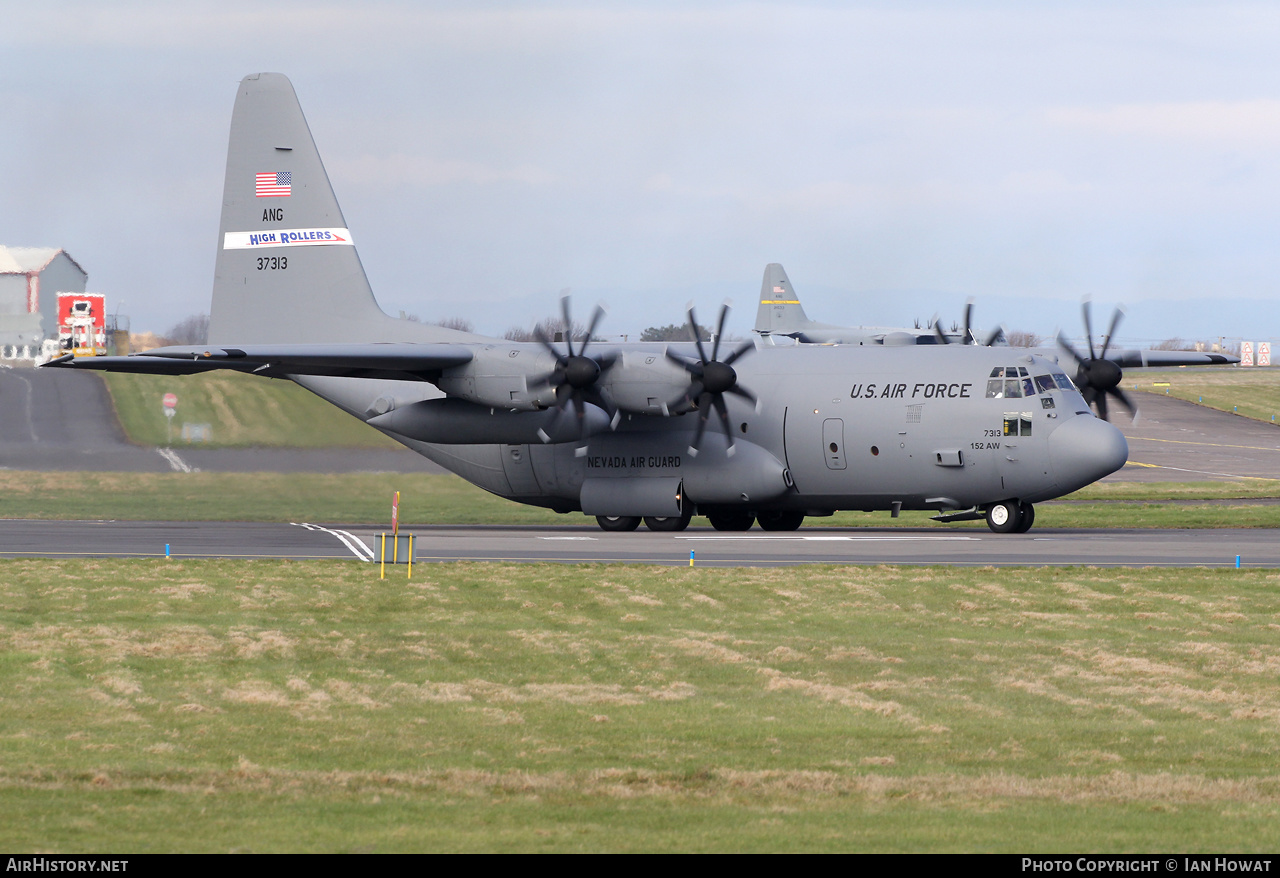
x=836 y=428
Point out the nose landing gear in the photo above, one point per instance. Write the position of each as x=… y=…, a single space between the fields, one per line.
x=1010 y=517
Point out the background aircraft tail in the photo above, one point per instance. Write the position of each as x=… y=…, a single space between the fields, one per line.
x=780 y=311
x=287 y=269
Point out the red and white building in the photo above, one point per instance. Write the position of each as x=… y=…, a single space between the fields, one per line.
x=30 y=280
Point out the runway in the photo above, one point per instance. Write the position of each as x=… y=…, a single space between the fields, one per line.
x=578 y=544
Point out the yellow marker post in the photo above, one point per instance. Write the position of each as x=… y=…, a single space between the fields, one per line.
x=395 y=553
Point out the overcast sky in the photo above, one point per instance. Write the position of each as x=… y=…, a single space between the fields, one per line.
x=895 y=157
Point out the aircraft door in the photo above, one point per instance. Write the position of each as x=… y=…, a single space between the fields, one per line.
x=833 y=442
x=517 y=463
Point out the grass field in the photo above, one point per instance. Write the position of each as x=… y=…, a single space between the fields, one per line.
x=275 y=706
x=241 y=410
x=1252 y=393
x=365 y=498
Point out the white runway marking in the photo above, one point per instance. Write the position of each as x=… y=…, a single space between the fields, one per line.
x=592 y=539
x=849 y=539
x=179 y=465
x=352 y=542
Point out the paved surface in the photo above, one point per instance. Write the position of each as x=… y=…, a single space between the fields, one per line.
x=149 y=539
x=1176 y=441
x=576 y=544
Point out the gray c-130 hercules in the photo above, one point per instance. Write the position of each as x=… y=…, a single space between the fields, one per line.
x=625 y=432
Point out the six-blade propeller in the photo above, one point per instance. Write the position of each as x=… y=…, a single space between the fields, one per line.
x=1096 y=376
x=575 y=374
x=712 y=379
x=967 y=337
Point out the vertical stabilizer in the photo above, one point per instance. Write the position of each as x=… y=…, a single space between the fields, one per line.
x=287 y=269
x=780 y=311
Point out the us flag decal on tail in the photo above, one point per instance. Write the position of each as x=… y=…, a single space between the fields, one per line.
x=275 y=184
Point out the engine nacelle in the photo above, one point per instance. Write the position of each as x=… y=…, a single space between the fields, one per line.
x=644 y=382
x=499 y=375
x=457 y=422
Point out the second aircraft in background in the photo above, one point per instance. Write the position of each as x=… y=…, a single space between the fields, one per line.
x=1098 y=375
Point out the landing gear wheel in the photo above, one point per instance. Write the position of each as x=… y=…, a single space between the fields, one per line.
x=780 y=520
x=618 y=522
x=1005 y=517
x=732 y=521
x=1028 y=517
x=667 y=523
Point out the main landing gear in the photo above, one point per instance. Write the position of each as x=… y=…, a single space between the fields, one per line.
x=668 y=522
x=619 y=523
x=1010 y=517
x=732 y=521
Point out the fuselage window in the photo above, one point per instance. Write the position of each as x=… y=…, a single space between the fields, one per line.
x=1017 y=423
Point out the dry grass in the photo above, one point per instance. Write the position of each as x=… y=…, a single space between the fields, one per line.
x=858 y=708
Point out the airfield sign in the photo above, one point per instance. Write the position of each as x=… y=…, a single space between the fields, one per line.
x=170 y=401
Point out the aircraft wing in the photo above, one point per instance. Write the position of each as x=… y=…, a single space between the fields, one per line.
x=413 y=362
x=1168 y=358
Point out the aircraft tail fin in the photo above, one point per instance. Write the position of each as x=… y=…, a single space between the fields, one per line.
x=287 y=269
x=780 y=310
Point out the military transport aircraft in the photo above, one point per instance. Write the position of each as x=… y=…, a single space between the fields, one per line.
x=1097 y=376
x=622 y=432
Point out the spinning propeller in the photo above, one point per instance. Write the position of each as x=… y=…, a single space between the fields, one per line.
x=575 y=374
x=967 y=337
x=712 y=379
x=1097 y=377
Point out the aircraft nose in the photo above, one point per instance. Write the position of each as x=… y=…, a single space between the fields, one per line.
x=1083 y=450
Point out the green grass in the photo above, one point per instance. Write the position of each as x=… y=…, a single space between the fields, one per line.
x=365 y=498
x=276 y=706
x=1253 y=392
x=241 y=410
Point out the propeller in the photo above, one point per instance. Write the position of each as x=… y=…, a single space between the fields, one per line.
x=1096 y=376
x=575 y=374
x=967 y=337
x=712 y=379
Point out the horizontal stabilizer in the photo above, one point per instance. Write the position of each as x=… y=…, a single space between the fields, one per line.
x=418 y=362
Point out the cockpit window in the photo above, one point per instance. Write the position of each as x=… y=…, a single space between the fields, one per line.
x=1063 y=381
x=1010 y=382
x=1045 y=383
